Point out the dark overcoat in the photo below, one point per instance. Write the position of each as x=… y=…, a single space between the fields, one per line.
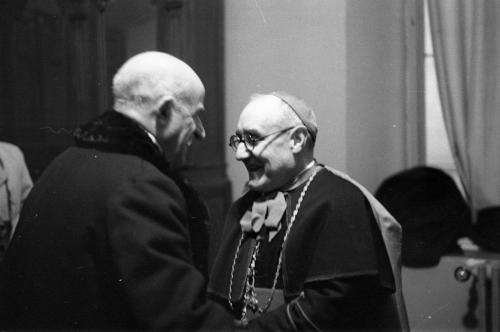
x=105 y=241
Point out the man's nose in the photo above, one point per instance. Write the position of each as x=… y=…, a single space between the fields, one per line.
x=242 y=151
x=199 y=131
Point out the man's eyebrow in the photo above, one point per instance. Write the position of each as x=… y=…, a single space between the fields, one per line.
x=252 y=132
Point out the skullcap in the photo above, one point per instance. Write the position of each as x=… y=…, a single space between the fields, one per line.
x=302 y=110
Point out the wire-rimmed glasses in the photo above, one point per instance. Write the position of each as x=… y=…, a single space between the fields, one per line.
x=250 y=140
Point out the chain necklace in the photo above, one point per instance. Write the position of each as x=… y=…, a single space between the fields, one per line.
x=250 y=299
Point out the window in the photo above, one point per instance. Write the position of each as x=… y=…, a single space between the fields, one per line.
x=438 y=153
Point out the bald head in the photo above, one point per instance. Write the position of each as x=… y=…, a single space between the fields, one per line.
x=165 y=96
x=284 y=108
x=269 y=112
x=146 y=80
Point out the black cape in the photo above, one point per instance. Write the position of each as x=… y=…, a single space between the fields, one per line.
x=334 y=238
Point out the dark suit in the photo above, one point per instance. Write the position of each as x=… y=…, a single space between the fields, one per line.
x=104 y=241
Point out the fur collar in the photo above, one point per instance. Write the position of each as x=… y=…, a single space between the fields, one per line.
x=115 y=132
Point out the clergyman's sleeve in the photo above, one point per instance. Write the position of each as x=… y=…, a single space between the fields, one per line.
x=321 y=306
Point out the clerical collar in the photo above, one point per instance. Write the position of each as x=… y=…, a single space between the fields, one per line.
x=153 y=139
x=300 y=178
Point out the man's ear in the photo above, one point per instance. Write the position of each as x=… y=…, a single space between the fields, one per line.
x=299 y=138
x=165 y=110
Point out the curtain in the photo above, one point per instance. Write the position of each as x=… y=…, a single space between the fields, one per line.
x=466 y=41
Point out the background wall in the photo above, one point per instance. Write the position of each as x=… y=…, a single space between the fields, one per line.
x=375 y=90
x=345 y=58
x=141 y=37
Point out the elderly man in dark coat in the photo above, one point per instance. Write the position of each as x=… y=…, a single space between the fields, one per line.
x=105 y=237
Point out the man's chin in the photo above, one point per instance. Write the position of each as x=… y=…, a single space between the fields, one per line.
x=253 y=184
x=258 y=184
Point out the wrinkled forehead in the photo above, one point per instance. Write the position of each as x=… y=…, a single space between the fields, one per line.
x=261 y=115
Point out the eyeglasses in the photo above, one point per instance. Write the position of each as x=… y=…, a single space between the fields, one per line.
x=250 y=140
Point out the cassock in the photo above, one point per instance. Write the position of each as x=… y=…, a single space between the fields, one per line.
x=325 y=266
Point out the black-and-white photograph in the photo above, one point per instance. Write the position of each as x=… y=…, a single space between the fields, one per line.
x=250 y=165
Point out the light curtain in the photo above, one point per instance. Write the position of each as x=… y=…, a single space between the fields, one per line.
x=466 y=41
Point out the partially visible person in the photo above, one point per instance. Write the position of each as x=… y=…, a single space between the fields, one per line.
x=105 y=237
x=15 y=184
x=305 y=247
